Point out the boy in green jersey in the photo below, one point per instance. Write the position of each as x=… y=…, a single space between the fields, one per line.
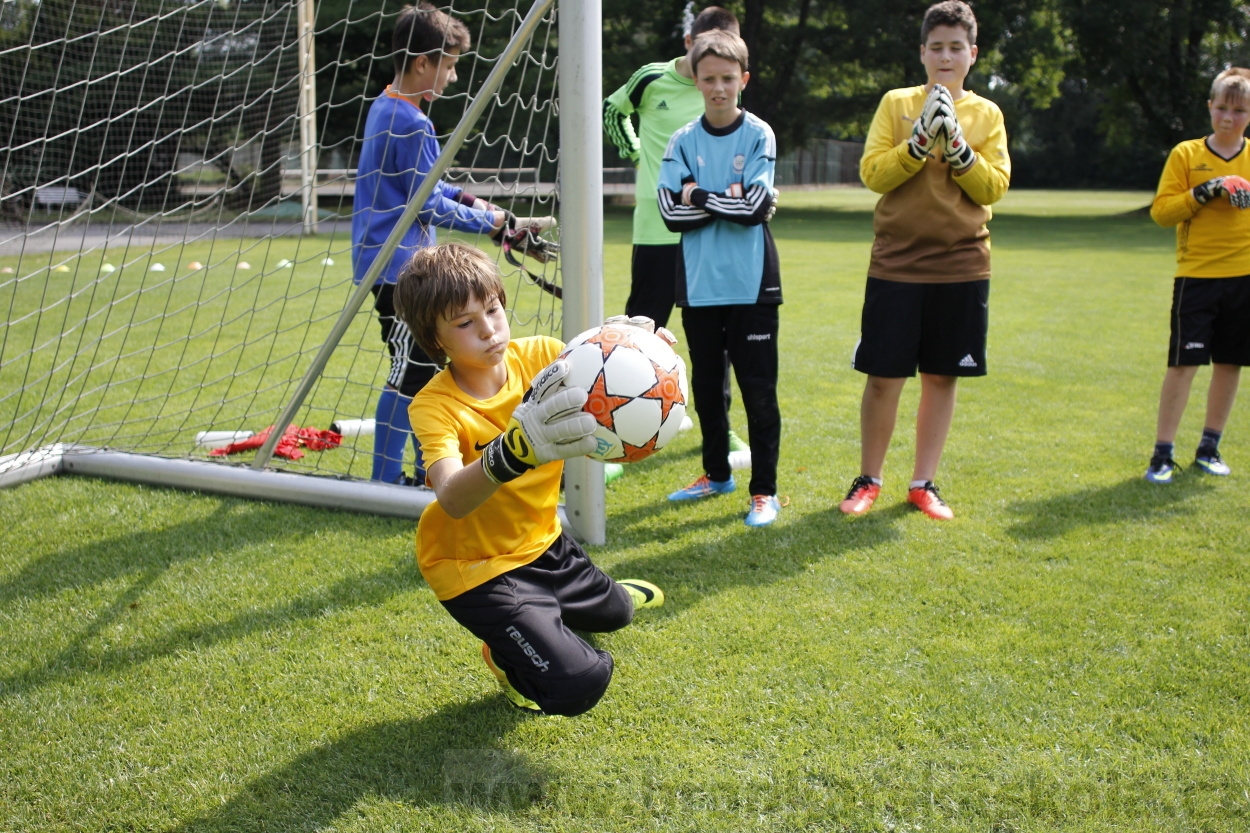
x=664 y=97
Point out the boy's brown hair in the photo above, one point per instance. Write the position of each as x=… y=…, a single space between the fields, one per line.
x=713 y=18
x=720 y=43
x=1232 y=85
x=424 y=30
x=437 y=283
x=949 y=13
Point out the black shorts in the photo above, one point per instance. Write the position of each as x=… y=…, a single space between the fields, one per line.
x=939 y=328
x=410 y=367
x=653 y=282
x=1210 y=322
x=526 y=616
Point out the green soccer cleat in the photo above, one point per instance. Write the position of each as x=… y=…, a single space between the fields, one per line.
x=644 y=593
x=515 y=697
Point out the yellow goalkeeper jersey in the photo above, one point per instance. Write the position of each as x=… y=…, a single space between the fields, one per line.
x=517 y=523
x=930 y=225
x=1212 y=240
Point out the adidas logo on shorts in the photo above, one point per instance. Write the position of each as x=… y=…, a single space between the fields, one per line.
x=968 y=361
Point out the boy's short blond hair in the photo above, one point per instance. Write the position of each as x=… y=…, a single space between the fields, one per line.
x=437 y=283
x=425 y=30
x=1232 y=85
x=949 y=13
x=721 y=44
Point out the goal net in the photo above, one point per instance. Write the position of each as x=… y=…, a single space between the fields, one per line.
x=176 y=197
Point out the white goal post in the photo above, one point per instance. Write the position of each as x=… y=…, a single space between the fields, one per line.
x=175 y=250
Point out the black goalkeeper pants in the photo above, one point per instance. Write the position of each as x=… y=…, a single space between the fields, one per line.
x=526 y=616
x=748 y=334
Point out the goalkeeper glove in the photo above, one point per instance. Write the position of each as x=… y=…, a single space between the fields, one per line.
x=926 y=128
x=548 y=425
x=1234 y=187
x=921 y=142
x=959 y=154
x=526 y=239
x=937 y=108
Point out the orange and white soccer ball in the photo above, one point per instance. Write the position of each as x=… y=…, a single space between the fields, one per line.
x=637 y=389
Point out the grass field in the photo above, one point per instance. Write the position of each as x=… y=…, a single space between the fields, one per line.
x=1071 y=653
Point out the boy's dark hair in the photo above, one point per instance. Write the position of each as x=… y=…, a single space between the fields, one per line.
x=439 y=281
x=423 y=30
x=950 y=13
x=1232 y=85
x=720 y=43
x=712 y=18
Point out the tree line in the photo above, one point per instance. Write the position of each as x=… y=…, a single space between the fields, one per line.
x=1095 y=92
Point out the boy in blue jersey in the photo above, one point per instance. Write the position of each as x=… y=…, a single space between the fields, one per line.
x=716 y=188
x=399 y=147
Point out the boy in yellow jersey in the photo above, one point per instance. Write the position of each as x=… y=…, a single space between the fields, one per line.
x=1203 y=192
x=495 y=426
x=938 y=155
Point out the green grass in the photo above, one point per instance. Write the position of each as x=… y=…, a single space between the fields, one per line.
x=1068 y=654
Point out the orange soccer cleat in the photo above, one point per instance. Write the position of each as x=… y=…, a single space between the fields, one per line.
x=861 y=496
x=927 y=500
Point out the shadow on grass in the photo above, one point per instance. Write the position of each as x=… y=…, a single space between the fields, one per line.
x=741 y=556
x=233 y=524
x=450 y=757
x=1130 y=500
x=141 y=559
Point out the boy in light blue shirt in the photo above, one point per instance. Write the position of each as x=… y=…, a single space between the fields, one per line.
x=716 y=189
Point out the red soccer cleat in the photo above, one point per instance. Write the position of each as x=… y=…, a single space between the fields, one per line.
x=927 y=500
x=861 y=496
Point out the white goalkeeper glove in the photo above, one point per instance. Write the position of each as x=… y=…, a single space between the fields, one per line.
x=1234 y=187
x=938 y=107
x=644 y=323
x=548 y=425
x=958 y=153
x=926 y=129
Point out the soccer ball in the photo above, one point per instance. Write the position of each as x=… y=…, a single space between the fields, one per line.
x=637 y=389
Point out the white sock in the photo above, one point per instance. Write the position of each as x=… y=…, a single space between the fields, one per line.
x=917 y=484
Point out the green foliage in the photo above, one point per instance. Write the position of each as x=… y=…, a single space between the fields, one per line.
x=103 y=96
x=1069 y=654
x=1095 y=93
x=355 y=63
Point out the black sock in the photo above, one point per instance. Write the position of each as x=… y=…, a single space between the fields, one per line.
x=1210 y=442
x=1164 y=450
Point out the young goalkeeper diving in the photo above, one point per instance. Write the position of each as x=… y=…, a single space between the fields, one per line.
x=495 y=426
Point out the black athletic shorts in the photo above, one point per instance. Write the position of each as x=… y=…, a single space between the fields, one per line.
x=410 y=367
x=1210 y=322
x=527 y=617
x=939 y=328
